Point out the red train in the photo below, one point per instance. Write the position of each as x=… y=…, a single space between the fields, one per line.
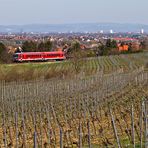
x=38 y=56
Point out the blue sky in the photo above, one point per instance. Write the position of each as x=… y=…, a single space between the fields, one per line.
x=72 y=11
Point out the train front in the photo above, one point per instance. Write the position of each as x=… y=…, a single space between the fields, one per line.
x=16 y=57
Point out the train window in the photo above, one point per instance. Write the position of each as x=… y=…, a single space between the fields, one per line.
x=50 y=55
x=56 y=55
x=15 y=55
x=37 y=56
x=29 y=56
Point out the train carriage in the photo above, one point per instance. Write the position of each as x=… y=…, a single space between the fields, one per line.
x=38 y=56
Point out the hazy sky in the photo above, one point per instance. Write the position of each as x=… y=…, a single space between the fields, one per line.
x=73 y=11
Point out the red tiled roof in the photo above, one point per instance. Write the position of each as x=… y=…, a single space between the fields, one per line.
x=125 y=39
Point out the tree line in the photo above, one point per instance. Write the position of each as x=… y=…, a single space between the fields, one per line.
x=5 y=56
x=31 y=46
x=110 y=47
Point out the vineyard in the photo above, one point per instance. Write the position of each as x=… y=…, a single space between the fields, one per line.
x=92 y=103
x=106 y=65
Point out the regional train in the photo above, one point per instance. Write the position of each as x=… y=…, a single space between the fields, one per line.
x=38 y=56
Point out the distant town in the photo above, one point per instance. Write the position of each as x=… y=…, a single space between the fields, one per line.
x=94 y=44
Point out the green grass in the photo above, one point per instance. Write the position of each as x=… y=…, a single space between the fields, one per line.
x=56 y=69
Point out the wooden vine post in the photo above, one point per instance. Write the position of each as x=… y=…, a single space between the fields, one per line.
x=114 y=128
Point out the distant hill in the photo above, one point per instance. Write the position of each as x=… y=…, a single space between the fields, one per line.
x=92 y=27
